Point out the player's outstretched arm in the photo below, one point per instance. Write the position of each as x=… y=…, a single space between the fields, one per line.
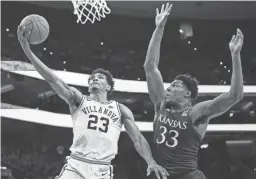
x=225 y=101
x=140 y=143
x=70 y=95
x=153 y=75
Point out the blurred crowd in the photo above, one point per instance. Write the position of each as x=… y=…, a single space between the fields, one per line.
x=31 y=161
x=42 y=155
x=30 y=158
x=119 y=43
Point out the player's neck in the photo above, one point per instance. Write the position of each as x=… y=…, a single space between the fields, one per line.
x=180 y=107
x=99 y=97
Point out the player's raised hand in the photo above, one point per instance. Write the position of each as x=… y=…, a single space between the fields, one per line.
x=236 y=43
x=161 y=17
x=22 y=37
x=159 y=170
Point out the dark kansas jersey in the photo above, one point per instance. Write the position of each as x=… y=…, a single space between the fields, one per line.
x=176 y=141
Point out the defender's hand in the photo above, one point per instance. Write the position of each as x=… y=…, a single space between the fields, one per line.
x=157 y=169
x=22 y=37
x=161 y=17
x=236 y=43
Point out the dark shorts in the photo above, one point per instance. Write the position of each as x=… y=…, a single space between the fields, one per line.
x=197 y=174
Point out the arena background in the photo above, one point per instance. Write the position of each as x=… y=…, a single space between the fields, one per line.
x=35 y=127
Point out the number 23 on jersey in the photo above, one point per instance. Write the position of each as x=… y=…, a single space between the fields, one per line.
x=169 y=138
x=93 y=122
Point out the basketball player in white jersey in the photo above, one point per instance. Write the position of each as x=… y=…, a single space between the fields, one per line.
x=97 y=123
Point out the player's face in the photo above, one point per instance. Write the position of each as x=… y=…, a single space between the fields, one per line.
x=176 y=92
x=98 y=81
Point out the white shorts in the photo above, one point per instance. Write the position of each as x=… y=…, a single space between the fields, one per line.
x=76 y=169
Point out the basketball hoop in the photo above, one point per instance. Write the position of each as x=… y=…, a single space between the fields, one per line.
x=90 y=10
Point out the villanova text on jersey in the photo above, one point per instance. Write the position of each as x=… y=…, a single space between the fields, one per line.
x=177 y=142
x=96 y=129
x=101 y=110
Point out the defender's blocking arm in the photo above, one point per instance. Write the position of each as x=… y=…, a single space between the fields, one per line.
x=153 y=75
x=223 y=102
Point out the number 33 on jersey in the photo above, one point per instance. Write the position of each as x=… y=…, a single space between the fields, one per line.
x=173 y=134
x=174 y=130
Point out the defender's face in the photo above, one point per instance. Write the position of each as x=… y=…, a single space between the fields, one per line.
x=176 y=92
x=98 y=81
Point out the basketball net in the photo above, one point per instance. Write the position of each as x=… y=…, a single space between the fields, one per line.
x=89 y=10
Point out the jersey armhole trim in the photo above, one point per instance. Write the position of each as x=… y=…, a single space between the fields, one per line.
x=79 y=106
x=155 y=116
x=193 y=126
x=120 y=114
x=118 y=109
x=157 y=110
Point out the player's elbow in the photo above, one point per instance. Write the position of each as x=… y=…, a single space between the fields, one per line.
x=50 y=77
x=236 y=96
x=237 y=93
x=137 y=140
x=137 y=143
x=239 y=97
x=146 y=67
x=149 y=66
x=150 y=70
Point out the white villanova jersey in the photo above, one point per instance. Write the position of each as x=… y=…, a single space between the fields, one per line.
x=96 y=129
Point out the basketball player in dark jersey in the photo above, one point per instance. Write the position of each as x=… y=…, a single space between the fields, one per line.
x=178 y=126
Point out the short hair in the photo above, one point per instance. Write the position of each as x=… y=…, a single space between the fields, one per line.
x=109 y=78
x=190 y=82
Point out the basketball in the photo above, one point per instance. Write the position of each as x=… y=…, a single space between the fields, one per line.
x=38 y=27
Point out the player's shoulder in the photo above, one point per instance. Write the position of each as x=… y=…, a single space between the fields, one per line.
x=74 y=89
x=77 y=95
x=124 y=110
x=113 y=103
x=196 y=113
x=121 y=106
x=159 y=106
